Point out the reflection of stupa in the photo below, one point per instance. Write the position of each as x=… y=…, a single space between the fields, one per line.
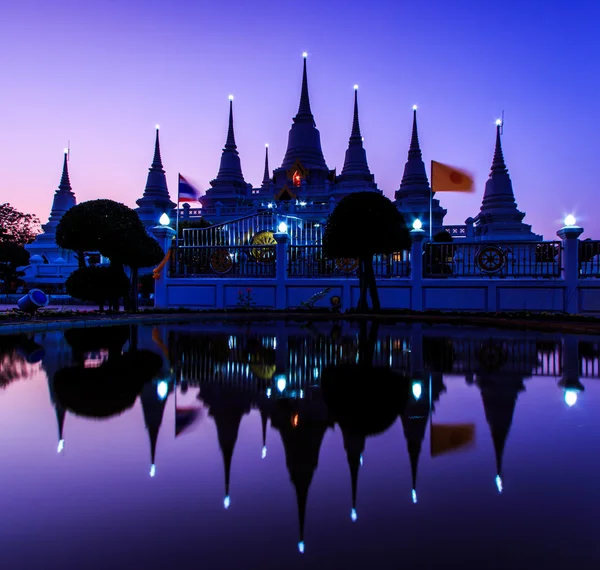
x=302 y=425
x=354 y=444
x=415 y=418
x=153 y=398
x=499 y=395
x=227 y=405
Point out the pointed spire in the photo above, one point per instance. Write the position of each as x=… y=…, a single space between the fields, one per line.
x=304 y=107
x=499 y=217
x=153 y=407
x=498 y=165
x=355 y=125
x=414 y=150
x=414 y=181
x=354 y=444
x=230 y=169
x=304 y=139
x=64 y=199
x=266 y=177
x=156 y=200
x=355 y=163
x=157 y=160
x=65 y=183
x=60 y=419
x=230 y=142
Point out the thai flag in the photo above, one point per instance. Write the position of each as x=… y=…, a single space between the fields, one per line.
x=187 y=192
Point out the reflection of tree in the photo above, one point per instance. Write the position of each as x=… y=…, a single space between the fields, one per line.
x=109 y=389
x=17 y=354
x=85 y=340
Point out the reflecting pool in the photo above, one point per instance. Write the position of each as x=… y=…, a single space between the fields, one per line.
x=299 y=445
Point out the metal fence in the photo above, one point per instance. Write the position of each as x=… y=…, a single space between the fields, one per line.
x=310 y=261
x=507 y=259
x=219 y=261
x=589 y=258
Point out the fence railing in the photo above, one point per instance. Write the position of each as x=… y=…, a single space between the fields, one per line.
x=310 y=261
x=219 y=261
x=506 y=259
x=589 y=258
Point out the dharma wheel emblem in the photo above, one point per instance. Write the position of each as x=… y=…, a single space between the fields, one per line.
x=263 y=254
x=220 y=260
x=346 y=264
x=490 y=259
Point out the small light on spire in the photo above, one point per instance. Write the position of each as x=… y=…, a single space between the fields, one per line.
x=266 y=145
x=301 y=547
x=61 y=445
x=570 y=220
x=570 y=397
x=499 y=485
x=264 y=452
x=226 y=501
x=231 y=97
x=414 y=496
x=417 y=224
x=157 y=127
x=498 y=122
x=152 y=470
x=304 y=55
x=414 y=107
x=356 y=88
x=353 y=515
x=66 y=150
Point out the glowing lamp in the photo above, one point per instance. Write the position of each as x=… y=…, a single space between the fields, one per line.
x=302 y=204
x=414 y=496
x=270 y=205
x=269 y=392
x=498 y=122
x=499 y=483
x=282 y=228
x=164 y=220
x=570 y=220
x=361 y=459
x=281 y=383
x=266 y=145
x=353 y=515
x=304 y=55
x=301 y=547
x=66 y=151
x=417 y=225
x=227 y=501
x=414 y=107
x=162 y=389
x=417 y=390
x=61 y=445
x=152 y=470
x=231 y=97
x=570 y=397
x=356 y=88
x=157 y=127
x=264 y=452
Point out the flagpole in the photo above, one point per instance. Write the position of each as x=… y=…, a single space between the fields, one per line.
x=431 y=205
x=177 y=227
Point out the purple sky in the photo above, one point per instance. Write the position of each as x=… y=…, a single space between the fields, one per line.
x=102 y=74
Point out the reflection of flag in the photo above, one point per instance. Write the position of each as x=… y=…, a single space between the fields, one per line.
x=446 y=438
x=187 y=192
x=445 y=178
x=184 y=418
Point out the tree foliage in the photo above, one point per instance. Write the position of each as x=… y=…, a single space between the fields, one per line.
x=16 y=226
x=443 y=237
x=98 y=284
x=12 y=256
x=362 y=225
x=116 y=232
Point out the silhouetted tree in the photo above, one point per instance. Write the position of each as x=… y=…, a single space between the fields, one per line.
x=362 y=225
x=98 y=284
x=17 y=227
x=12 y=256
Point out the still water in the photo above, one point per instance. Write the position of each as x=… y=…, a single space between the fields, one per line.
x=299 y=445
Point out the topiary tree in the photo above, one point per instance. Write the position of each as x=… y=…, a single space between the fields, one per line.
x=12 y=256
x=98 y=284
x=443 y=237
x=115 y=231
x=362 y=225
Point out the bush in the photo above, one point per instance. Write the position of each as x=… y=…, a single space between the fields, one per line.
x=98 y=285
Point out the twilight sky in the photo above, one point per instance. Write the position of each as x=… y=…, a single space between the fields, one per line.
x=102 y=74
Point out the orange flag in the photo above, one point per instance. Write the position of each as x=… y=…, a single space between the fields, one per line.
x=445 y=178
